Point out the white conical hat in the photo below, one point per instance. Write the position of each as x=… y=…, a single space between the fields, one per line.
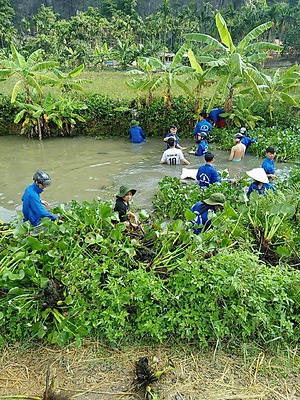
x=258 y=174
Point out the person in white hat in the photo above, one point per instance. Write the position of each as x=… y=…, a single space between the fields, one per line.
x=246 y=140
x=260 y=181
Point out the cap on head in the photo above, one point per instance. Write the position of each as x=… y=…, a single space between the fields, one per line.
x=271 y=149
x=258 y=174
x=243 y=130
x=173 y=126
x=203 y=135
x=215 y=199
x=171 y=141
x=42 y=177
x=124 y=190
x=238 y=136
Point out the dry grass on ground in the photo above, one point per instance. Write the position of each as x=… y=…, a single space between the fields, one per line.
x=94 y=372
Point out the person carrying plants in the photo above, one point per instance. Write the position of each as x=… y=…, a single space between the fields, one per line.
x=136 y=133
x=173 y=156
x=204 y=211
x=33 y=207
x=207 y=173
x=238 y=150
x=202 y=126
x=260 y=181
x=173 y=134
x=122 y=206
x=268 y=163
x=202 y=147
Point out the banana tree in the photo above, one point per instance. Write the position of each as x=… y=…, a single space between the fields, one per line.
x=281 y=88
x=234 y=65
x=28 y=72
x=37 y=117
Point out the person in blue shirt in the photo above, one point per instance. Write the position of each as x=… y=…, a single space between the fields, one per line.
x=136 y=133
x=246 y=140
x=173 y=134
x=202 y=147
x=33 y=207
x=207 y=174
x=215 y=118
x=268 y=163
x=202 y=126
x=201 y=209
x=260 y=181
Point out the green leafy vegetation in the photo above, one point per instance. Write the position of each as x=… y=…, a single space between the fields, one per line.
x=89 y=276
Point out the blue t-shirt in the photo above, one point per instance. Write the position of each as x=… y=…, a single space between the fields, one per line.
x=202 y=148
x=137 y=134
x=262 y=190
x=176 y=139
x=201 y=221
x=214 y=115
x=207 y=175
x=33 y=209
x=268 y=166
x=202 y=126
x=247 y=142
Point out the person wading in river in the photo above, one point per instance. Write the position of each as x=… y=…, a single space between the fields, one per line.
x=238 y=150
x=173 y=156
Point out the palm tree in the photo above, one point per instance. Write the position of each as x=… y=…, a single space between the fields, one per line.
x=232 y=64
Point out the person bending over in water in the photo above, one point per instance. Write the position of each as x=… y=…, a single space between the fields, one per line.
x=122 y=206
x=238 y=150
x=33 y=207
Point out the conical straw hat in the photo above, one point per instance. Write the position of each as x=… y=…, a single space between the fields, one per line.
x=258 y=174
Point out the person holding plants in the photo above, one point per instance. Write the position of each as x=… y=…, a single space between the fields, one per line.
x=260 y=181
x=204 y=210
x=122 y=206
x=268 y=163
x=136 y=133
x=202 y=147
x=238 y=150
x=202 y=126
x=33 y=207
x=207 y=173
x=173 y=156
x=173 y=134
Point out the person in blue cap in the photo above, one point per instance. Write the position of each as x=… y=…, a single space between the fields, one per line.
x=33 y=207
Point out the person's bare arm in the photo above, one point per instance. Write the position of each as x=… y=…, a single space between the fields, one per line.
x=185 y=161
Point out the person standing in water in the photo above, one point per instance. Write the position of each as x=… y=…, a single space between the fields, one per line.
x=238 y=150
x=136 y=133
x=173 y=156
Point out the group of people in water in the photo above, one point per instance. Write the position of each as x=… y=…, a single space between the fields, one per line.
x=34 y=209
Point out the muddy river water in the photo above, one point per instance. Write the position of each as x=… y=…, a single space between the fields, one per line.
x=84 y=168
